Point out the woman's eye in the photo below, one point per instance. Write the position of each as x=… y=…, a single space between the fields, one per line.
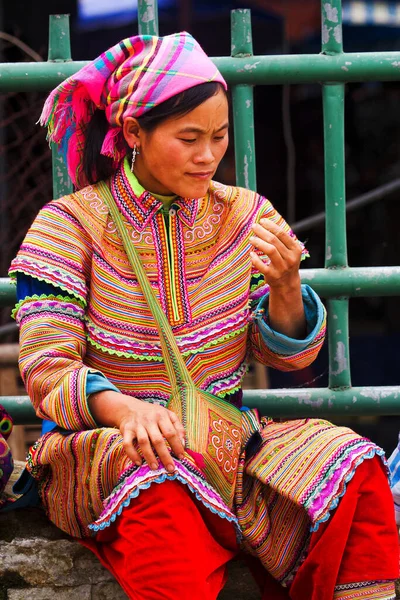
x=219 y=138
x=188 y=141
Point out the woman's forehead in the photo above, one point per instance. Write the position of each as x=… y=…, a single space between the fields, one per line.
x=213 y=114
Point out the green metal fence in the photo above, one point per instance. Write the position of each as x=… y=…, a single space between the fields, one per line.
x=336 y=282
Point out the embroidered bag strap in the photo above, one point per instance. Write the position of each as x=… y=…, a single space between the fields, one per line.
x=213 y=427
x=176 y=368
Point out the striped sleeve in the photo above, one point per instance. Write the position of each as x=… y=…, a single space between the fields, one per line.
x=57 y=251
x=281 y=352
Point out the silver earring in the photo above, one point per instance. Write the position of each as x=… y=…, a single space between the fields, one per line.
x=135 y=152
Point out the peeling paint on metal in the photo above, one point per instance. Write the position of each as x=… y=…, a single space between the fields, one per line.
x=325 y=34
x=316 y=403
x=348 y=63
x=378 y=394
x=328 y=253
x=306 y=275
x=331 y=12
x=246 y=172
x=338 y=331
x=337 y=34
x=249 y=66
x=248 y=103
x=340 y=358
x=344 y=68
x=396 y=63
x=149 y=13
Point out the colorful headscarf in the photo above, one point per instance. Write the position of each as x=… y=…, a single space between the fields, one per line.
x=127 y=80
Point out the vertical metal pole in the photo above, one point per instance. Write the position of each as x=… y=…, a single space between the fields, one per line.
x=4 y=226
x=243 y=103
x=148 y=17
x=335 y=198
x=59 y=51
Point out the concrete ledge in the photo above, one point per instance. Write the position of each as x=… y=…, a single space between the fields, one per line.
x=40 y=562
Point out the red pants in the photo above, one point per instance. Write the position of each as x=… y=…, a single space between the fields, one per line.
x=161 y=549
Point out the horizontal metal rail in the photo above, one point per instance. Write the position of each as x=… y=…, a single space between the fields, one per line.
x=328 y=283
x=278 y=403
x=251 y=70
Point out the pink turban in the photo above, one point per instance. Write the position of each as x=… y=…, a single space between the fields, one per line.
x=127 y=80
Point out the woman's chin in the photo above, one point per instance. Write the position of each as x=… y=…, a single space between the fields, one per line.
x=195 y=191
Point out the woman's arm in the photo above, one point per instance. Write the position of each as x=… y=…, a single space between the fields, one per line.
x=280 y=268
x=289 y=321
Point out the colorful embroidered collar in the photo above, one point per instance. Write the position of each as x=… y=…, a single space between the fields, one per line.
x=138 y=205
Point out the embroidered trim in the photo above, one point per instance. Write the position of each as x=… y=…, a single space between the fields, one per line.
x=49 y=303
x=373 y=590
x=141 y=479
x=332 y=504
x=31 y=270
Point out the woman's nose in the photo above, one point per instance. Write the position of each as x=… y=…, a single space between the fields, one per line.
x=204 y=155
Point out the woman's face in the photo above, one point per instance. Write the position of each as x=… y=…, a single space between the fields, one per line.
x=181 y=155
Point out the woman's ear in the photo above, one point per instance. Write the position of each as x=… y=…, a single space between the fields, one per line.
x=131 y=131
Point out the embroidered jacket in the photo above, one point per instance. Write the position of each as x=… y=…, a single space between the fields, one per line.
x=200 y=268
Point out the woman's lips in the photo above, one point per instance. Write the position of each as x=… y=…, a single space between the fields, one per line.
x=201 y=175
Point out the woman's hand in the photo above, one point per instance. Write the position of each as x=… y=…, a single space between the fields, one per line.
x=281 y=269
x=150 y=425
x=281 y=272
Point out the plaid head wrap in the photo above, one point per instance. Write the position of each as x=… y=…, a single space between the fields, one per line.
x=127 y=80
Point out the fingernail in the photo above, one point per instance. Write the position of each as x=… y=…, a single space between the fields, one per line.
x=138 y=463
x=154 y=466
x=183 y=442
x=181 y=456
x=170 y=468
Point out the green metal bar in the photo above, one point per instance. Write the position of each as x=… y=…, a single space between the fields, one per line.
x=353 y=281
x=59 y=38
x=338 y=343
x=243 y=103
x=279 y=403
x=328 y=283
x=255 y=70
x=59 y=51
x=148 y=17
x=335 y=197
x=8 y=294
x=335 y=193
x=331 y=27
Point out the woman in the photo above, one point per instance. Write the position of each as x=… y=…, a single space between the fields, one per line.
x=311 y=501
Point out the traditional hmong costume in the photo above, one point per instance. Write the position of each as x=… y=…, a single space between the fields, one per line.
x=305 y=493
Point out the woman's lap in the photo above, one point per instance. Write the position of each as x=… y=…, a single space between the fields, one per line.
x=162 y=548
x=184 y=551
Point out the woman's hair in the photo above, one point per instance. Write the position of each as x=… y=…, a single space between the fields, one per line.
x=97 y=167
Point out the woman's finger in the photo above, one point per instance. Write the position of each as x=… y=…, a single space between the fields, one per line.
x=262 y=234
x=142 y=437
x=284 y=236
x=158 y=442
x=178 y=426
x=128 y=442
x=260 y=265
x=271 y=252
x=172 y=436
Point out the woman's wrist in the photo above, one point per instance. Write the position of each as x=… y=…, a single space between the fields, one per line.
x=286 y=310
x=109 y=408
